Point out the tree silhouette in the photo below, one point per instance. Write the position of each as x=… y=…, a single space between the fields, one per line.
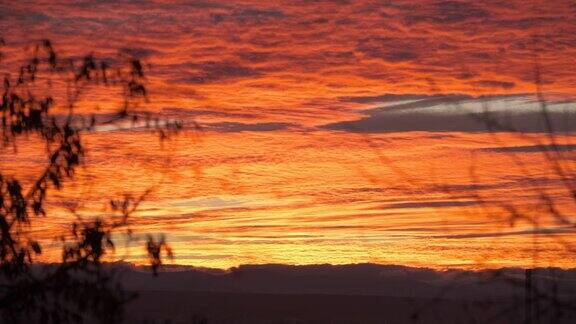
x=41 y=101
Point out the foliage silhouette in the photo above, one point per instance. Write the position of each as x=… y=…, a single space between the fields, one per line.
x=41 y=102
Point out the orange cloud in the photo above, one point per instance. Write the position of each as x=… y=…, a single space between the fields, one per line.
x=287 y=92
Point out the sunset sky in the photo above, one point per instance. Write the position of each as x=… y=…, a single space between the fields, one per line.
x=329 y=131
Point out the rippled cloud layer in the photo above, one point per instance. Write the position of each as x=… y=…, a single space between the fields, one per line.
x=332 y=131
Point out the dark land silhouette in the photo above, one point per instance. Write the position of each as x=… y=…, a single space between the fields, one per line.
x=359 y=293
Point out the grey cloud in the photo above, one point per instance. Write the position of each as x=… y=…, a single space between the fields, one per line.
x=139 y=52
x=531 y=148
x=399 y=56
x=459 y=187
x=248 y=16
x=461 y=114
x=219 y=71
x=7 y=13
x=457 y=11
x=259 y=13
x=394 y=49
x=494 y=84
x=523 y=23
x=254 y=56
x=445 y=12
x=408 y=101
